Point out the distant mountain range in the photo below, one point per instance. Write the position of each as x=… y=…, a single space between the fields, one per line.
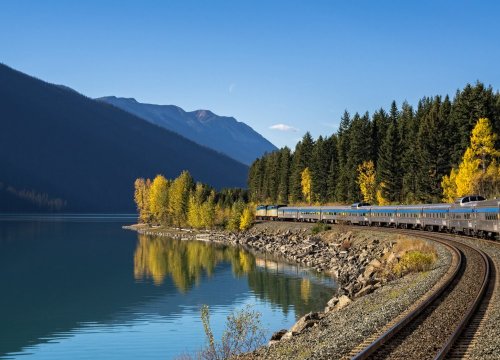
x=221 y=133
x=63 y=151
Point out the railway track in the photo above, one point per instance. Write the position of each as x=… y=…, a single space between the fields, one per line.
x=435 y=327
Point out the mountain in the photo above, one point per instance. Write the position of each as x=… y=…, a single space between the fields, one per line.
x=221 y=133
x=61 y=150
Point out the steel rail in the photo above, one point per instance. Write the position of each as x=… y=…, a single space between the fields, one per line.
x=396 y=328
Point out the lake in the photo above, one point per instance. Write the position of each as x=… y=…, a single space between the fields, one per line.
x=81 y=287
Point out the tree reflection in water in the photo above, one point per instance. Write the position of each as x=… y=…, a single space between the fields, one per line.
x=187 y=261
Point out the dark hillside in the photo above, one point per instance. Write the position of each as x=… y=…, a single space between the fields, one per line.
x=58 y=144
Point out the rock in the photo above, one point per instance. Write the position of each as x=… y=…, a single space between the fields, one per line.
x=369 y=271
x=305 y=322
x=364 y=291
x=375 y=263
x=343 y=302
x=278 y=335
x=333 y=301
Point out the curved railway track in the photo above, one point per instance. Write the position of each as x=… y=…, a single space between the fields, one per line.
x=434 y=326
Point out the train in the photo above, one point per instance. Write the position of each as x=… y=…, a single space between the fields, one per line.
x=471 y=215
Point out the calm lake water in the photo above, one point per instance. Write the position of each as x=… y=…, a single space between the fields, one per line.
x=80 y=287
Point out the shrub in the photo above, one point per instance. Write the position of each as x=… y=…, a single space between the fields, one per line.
x=243 y=333
x=414 y=261
x=320 y=227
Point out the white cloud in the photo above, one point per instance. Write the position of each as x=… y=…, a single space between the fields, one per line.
x=283 y=127
x=231 y=88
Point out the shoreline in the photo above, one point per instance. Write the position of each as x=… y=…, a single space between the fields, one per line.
x=353 y=256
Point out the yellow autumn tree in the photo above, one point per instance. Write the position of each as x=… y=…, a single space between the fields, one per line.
x=246 y=218
x=159 y=199
x=449 y=185
x=179 y=197
x=366 y=181
x=477 y=173
x=379 y=195
x=306 y=184
x=141 y=198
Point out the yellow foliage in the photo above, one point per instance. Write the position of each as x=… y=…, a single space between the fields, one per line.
x=306 y=184
x=184 y=261
x=449 y=185
x=158 y=198
x=482 y=141
x=381 y=200
x=367 y=182
x=474 y=173
x=305 y=289
x=468 y=174
x=246 y=218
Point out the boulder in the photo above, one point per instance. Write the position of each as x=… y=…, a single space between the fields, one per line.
x=343 y=302
x=305 y=322
x=364 y=291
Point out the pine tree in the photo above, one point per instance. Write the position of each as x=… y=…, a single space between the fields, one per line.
x=341 y=188
x=284 y=175
x=320 y=162
x=301 y=160
x=389 y=162
x=332 y=167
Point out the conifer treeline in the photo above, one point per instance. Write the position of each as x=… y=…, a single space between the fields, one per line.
x=411 y=150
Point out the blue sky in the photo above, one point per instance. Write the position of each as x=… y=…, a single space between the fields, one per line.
x=295 y=64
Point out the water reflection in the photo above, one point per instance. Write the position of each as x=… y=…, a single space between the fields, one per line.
x=71 y=286
x=185 y=262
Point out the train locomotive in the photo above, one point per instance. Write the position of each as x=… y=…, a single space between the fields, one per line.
x=470 y=215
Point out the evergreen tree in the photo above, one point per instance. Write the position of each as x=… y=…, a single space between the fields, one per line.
x=284 y=175
x=341 y=188
x=389 y=162
x=320 y=162
x=332 y=168
x=301 y=160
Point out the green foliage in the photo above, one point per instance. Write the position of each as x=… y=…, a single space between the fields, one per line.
x=320 y=227
x=414 y=261
x=411 y=151
x=243 y=333
x=235 y=217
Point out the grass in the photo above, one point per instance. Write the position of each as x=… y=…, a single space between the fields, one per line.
x=414 y=256
x=320 y=227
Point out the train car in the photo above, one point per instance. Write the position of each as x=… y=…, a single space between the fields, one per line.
x=331 y=214
x=260 y=212
x=309 y=214
x=358 y=214
x=435 y=217
x=382 y=215
x=272 y=212
x=288 y=213
x=487 y=218
x=469 y=215
x=409 y=216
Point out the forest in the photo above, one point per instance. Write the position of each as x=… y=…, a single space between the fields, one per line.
x=439 y=150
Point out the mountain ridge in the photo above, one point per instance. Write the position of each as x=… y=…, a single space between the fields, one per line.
x=59 y=144
x=224 y=134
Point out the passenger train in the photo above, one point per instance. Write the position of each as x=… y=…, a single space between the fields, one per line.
x=470 y=215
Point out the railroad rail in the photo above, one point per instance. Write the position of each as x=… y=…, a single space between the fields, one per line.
x=430 y=330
